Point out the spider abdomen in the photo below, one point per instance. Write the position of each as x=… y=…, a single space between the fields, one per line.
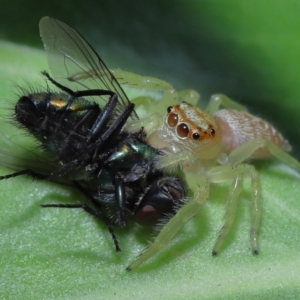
x=239 y=127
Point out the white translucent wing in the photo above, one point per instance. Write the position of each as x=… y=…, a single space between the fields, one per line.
x=75 y=64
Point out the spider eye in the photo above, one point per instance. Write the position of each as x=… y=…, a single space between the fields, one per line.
x=169 y=109
x=196 y=136
x=212 y=131
x=172 y=119
x=182 y=130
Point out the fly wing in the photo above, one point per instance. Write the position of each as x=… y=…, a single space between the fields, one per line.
x=75 y=64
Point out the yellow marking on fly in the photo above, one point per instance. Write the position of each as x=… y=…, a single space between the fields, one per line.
x=58 y=102
x=125 y=148
x=61 y=103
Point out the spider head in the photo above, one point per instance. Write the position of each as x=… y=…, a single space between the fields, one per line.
x=188 y=128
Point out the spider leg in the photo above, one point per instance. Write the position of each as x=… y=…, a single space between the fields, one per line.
x=237 y=173
x=173 y=159
x=246 y=150
x=149 y=122
x=231 y=206
x=184 y=214
x=219 y=99
x=148 y=86
x=239 y=155
x=189 y=96
x=256 y=209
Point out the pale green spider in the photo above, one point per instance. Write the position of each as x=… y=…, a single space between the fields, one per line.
x=211 y=146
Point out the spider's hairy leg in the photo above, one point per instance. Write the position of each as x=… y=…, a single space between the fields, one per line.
x=150 y=123
x=189 y=210
x=246 y=150
x=231 y=206
x=170 y=160
x=219 y=99
x=156 y=94
x=256 y=209
x=151 y=102
x=148 y=87
x=138 y=81
x=151 y=84
x=237 y=173
x=171 y=97
x=190 y=96
x=151 y=111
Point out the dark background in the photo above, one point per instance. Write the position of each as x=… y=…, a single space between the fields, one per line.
x=249 y=51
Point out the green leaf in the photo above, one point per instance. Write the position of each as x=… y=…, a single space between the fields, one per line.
x=63 y=254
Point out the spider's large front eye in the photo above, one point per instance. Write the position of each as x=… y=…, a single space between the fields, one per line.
x=182 y=130
x=172 y=119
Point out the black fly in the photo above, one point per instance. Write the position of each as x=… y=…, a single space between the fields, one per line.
x=81 y=126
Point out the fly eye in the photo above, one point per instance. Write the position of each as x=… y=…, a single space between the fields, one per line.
x=182 y=130
x=196 y=136
x=172 y=119
x=169 y=109
x=147 y=215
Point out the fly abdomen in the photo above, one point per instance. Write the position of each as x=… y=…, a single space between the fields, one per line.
x=60 y=124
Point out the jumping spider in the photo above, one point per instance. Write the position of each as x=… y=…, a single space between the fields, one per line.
x=213 y=146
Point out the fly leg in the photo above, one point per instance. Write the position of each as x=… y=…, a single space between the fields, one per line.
x=77 y=94
x=106 y=113
x=28 y=172
x=100 y=133
x=113 y=130
x=96 y=211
